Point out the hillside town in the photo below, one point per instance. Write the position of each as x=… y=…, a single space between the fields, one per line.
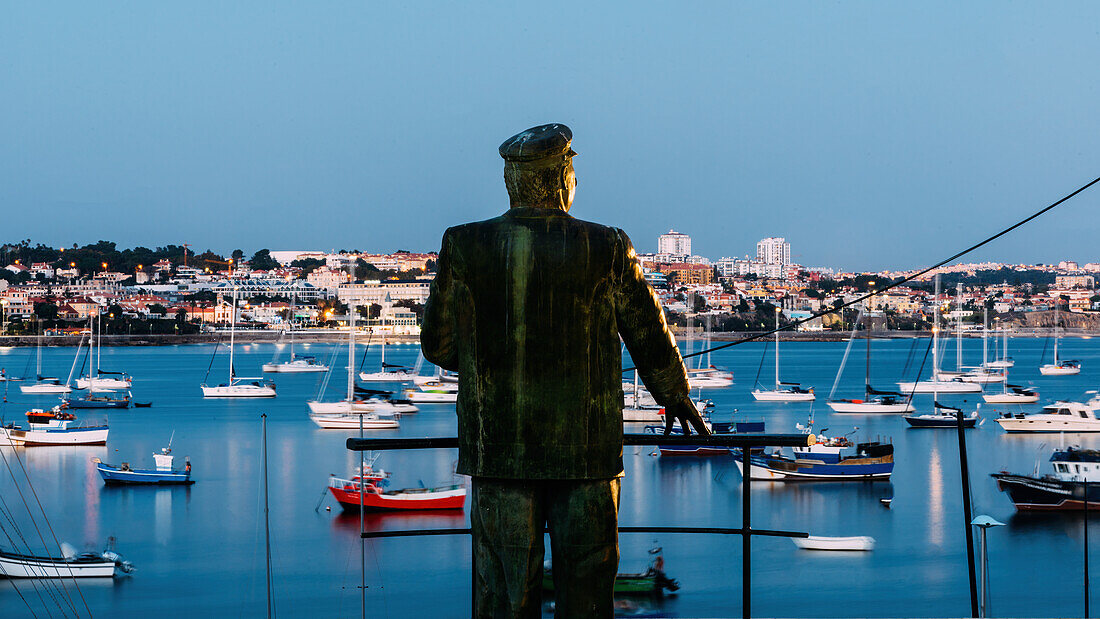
x=176 y=291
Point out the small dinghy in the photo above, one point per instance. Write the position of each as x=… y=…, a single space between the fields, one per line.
x=817 y=542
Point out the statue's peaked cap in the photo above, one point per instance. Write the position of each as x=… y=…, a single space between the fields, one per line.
x=537 y=143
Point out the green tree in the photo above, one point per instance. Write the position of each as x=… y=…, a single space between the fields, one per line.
x=262 y=261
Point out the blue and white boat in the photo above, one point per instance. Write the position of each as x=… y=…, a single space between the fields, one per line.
x=870 y=461
x=163 y=474
x=99 y=399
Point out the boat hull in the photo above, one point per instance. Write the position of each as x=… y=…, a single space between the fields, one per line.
x=427 y=397
x=940 y=386
x=385 y=377
x=55 y=436
x=26 y=566
x=102 y=383
x=291 y=368
x=870 y=408
x=815 y=542
x=370 y=421
x=1047 y=494
x=939 y=421
x=238 y=391
x=1048 y=423
x=450 y=497
x=1010 y=398
x=769 y=468
x=44 y=389
x=1056 y=370
x=782 y=396
x=113 y=475
x=361 y=406
x=78 y=403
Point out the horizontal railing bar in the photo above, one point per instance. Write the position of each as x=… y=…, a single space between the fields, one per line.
x=713 y=440
x=710 y=530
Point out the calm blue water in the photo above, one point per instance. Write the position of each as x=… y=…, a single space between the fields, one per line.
x=201 y=550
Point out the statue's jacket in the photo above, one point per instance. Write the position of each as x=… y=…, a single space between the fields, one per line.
x=529 y=308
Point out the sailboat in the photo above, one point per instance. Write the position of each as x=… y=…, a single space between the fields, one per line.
x=874 y=401
x=237 y=387
x=783 y=392
x=939 y=383
x=1012 y=394
x=298 y=364
x=1003 y=362
x=348 y=414
x=389 y=372
x=981 y=374
x=100 y=379
x=44 y=384
x=1059 y=368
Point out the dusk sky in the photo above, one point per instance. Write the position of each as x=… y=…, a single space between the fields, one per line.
x=871 y=135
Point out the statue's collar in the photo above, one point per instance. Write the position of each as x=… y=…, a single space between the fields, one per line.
x=535 y=212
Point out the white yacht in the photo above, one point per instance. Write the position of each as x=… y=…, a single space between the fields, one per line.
x=237 y=387
x=783 y=392
x=1003 y=361
x=1012 y=394
x=1057 y=417
x=298 y=364
x=97 y=378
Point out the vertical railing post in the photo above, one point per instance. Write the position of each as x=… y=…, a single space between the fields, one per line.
x=746 y=535
x=965 y=471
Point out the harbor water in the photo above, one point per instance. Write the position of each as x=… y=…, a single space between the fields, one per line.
x=200 y=550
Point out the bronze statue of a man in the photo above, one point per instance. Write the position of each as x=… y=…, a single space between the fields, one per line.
x=529 y=307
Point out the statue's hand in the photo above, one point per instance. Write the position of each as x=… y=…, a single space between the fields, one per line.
x=688 y=415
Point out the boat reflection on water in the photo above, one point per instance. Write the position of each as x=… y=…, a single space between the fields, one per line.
x=400 y=521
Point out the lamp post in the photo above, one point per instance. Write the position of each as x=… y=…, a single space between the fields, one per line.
x=3 y=315
x=984 y=522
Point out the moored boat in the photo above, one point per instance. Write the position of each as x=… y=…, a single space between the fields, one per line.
x=818 y=542
x=353 y=421
x=942 y=417
x=653 y=581
x=161 y=474
x=53 y=427
x=374 y=498
x=106 y=564
x=1061 y=416
x=99 y=399
x=870 y=461
x=1075 y=471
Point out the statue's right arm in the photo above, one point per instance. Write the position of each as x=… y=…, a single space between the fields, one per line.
x=437 y=330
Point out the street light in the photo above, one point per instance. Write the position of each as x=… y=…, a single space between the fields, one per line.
x=984 y=522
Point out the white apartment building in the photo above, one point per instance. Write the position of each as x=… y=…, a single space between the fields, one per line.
x=674 y=243
x=773 y=250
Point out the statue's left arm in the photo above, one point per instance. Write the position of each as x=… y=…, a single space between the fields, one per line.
x=437 y=329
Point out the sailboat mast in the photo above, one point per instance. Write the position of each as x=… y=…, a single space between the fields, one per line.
x=958 y=328
x=936 y=331
x=985 y=334
x=1056 y=333
x=232 y=331
x=777 y=349
x=351 y=356
x=867 y=366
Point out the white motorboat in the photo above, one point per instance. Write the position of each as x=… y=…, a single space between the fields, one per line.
x=1061 y=416
x=817 y=542
x=441 y=375
x=255 y=387
x=433 y=392
x=709 y=378
x=1059 y=367
x=874 y=402
x=106 y=564
x=783 y=392
x=643 y=414
x=353 y=421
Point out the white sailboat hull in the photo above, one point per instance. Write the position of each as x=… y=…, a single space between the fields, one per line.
x=385 y=377
x=294 y=368
x=46 y=388
x=238 y=391
x=370 y=421
x=366 y=406
x=1000 y=365
x=102 y=383
x=643 y=415
x=863 y=408
x=1010 y=398
x=782 y=396
x=940 y=386
x=428 y=397
x=1048 y=370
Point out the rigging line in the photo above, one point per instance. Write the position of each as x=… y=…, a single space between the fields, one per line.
x=53 y=534
x=760 y=368
x=844 y=359
x=37 y=530
x=904 y=280
x=6 y=511
x=12 y=580
x=923 y=360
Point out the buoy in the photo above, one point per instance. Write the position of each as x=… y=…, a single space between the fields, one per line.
x=328 y=508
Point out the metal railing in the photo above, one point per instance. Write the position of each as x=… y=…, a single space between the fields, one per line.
x=735 y=441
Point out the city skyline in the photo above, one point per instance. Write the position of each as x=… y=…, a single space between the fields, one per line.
x=870 y=137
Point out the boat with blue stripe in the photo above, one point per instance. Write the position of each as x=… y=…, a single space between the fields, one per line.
x=162 y=475
x=870 y=461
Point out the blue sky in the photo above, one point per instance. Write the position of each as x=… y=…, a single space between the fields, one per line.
x=870 y=134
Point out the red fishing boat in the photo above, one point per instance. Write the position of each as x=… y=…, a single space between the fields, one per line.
x=375 y=498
